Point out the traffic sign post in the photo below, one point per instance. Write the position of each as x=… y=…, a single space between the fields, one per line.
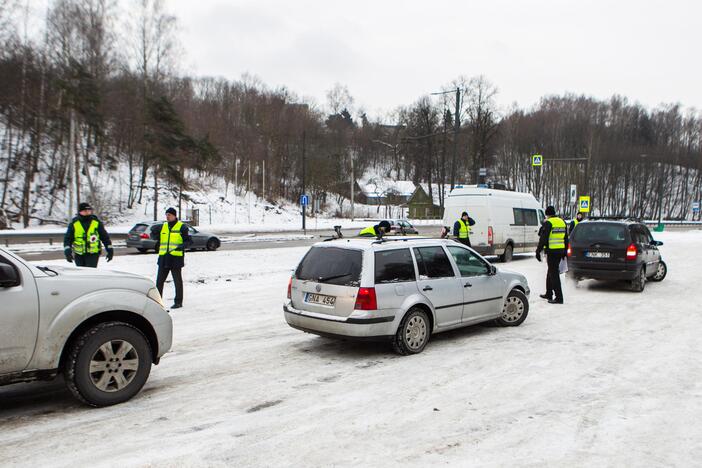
x=584 y=204
x=537 y=160
x=304 y=201
x=696 y=207
x=573 y=193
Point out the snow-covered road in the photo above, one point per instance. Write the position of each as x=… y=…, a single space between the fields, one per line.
x=612 y=378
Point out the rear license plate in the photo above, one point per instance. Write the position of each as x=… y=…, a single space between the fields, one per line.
x=320 y=299
x=597 y=254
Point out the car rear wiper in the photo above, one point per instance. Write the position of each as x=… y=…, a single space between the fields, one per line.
x=322 y=279
x=46 y=269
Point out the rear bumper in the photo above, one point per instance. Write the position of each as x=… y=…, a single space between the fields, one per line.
x=141 y=244
x=583 y=271
x=369 y=328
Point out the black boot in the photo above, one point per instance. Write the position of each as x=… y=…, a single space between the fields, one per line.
x=555 y=301
x=176 y=306
x=545 y=296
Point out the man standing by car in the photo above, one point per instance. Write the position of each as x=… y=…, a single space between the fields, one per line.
x=573 y=223
x=83 y=236
x=461 y=228
x=554 y=240
x=379 y=230
x=173 y=238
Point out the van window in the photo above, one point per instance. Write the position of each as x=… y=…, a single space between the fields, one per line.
x=468 y=263
x=530 y=218
x=331 y=265
x=518 y=217
x=432 y=262
x=394 y=266
x=541 y=217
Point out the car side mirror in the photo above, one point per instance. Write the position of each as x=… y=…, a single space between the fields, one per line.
x=492 y=270
x=8 y=276
x=656 y=243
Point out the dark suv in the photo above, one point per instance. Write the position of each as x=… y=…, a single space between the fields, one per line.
x=615 y=250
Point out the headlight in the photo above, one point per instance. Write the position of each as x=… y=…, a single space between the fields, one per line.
x=154 y=295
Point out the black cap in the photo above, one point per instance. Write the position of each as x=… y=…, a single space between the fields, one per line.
x=384 y=224
x=84 y=206
x=550 y=211
x=172 y=211
x=464 y=214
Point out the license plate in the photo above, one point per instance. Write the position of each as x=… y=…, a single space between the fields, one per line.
x=320 y=299
x=597 y=254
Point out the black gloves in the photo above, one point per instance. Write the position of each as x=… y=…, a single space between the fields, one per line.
x=69 y=255
x=538 y=255
x=110 y=254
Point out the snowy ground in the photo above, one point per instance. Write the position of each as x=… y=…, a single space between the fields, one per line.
x=612 y=378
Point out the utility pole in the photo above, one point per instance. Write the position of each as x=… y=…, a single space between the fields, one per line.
x=304 y=208
x=236 y=183
x=660 y=195
x=456 y=126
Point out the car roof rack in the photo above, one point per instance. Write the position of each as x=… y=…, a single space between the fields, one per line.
x=398 y=239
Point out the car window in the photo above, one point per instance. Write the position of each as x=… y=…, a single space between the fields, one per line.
x=541 y=217
x=530 y=218
x=518 y=217
x=468 y=263
x=5 y=261
x=600 y=233
x=331 y=265
x=139 y=228
x=191 y=230
x=646 y=233
x=394 y=266
x=432 y=262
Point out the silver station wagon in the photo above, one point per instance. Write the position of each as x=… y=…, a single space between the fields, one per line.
x=400 y=290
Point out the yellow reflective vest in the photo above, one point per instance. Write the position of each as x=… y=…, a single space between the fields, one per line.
x=86 y=242
x=368 y=232
x=464 y=230
x=556 y=238
x=170 y=240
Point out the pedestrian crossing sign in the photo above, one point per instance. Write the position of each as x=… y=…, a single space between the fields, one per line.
x=584 y=204
x=537 y=160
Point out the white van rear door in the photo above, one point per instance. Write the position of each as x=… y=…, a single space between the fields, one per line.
x=531 y=229
x=516 y=228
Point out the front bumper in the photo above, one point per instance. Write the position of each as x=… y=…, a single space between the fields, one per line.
x=378 y=328
x=162 y=323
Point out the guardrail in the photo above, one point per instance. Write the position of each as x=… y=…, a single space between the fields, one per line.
x=48 y=236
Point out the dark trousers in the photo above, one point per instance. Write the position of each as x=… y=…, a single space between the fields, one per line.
x=177 y=280
x=89 y=260
x=553 y=276
x=465 y=241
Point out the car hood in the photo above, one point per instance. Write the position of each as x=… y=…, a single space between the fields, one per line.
x=102 y=279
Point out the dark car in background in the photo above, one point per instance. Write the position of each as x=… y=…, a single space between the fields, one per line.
x=617 y=250
x=400 y=226
x=139 y=237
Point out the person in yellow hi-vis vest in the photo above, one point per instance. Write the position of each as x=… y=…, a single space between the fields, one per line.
x=173 y=239
x=554 y=240
x=377 y=231
x=462 y=229
x=81 y=243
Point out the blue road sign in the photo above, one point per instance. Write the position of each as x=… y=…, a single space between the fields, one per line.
x=695 y=207
x=304 y=200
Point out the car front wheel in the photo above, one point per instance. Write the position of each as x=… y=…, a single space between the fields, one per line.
x=212 y=244
x=413 y=333
x=661 y=272
x=108 y=364
x=514 y=310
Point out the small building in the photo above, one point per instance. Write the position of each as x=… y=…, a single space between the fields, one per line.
x=421 y=206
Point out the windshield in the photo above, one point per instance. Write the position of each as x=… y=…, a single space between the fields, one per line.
x=600 y=233
x=331 y=265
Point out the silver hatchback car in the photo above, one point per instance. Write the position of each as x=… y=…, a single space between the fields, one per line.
x=400 y=290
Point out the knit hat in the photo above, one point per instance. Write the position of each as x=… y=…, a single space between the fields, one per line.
x=550 y=211
x=84 y=206
x=172 y=211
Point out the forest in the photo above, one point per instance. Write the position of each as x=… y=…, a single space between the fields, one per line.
x=93 y=92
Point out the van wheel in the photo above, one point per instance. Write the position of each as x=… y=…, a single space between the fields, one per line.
x=108 y=364
x=507 y=254
x=413 y=333
x=639 y=283
x=661 y=272
x=514 y=310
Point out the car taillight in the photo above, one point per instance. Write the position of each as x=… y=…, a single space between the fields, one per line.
x=144 y=235
x=631 y=252
x=490 y=236
x=570 y=251
x=290 y=288
x=366 y=300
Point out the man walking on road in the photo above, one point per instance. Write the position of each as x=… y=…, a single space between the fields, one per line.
x=83 y=236
x=461 y=229
x=554 y=240
x=174 y=239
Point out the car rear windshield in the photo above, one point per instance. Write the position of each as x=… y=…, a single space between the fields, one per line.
x=331 y=265
x=139 y=228
x=394 y=266
x=600 y=233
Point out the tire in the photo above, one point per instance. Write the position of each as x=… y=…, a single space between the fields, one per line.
x=102 y=387
x=507 y=254
x=514 y=310
x=661 y=272
x=638 y=284
x=142 y=250
x=413 y=333
x=212 y=244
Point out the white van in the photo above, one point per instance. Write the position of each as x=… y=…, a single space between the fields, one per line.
x=505 y=222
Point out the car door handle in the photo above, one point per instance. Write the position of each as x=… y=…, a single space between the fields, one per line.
x=428 y=288
x=467 y=285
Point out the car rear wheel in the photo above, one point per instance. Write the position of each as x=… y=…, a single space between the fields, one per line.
x=212 y=244
x=157 y=247
x=142 y=250
x=661 y=272
x=514 y=310
x=108 y=364
x=638 y=284
x=413 y=333
x=507 y=254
